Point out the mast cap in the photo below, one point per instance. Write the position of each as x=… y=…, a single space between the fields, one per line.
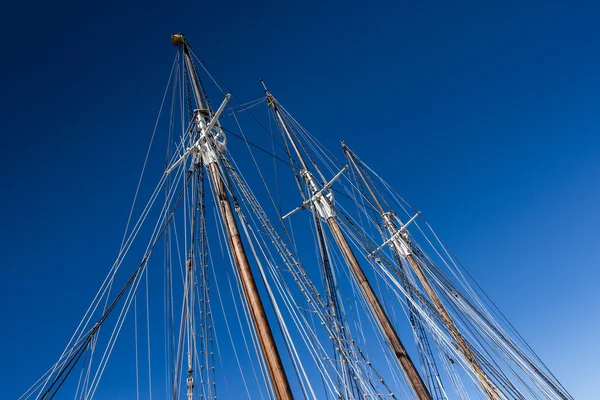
x=178 y=39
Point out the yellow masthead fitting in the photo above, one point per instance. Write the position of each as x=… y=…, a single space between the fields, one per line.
x=177 y=39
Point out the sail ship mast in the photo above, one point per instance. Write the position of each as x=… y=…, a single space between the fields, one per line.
x=401 y=245
x=322 y=204
x=491 y=353
x=207 y=149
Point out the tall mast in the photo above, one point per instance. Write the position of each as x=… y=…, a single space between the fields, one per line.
x=403 y=247
x=208 y=147
x=322 y=204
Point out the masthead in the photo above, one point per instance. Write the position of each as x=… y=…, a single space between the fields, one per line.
x=177 y=39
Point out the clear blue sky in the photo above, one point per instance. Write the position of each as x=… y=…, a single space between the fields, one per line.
x=493 y=109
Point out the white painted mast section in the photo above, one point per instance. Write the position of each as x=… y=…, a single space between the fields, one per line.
x=202 y=145
x=322 y=203
x=208 y=147
x=400 y=241
x=320 y=199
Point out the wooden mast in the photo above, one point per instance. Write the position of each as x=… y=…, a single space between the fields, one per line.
x=257 y=310
x=401 y=248
x=325 y=208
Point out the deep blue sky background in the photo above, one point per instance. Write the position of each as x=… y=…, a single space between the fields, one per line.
x=493 y=109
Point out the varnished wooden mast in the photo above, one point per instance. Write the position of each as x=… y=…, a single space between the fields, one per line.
x=379 y=313
x=257 y=310
x=386 y=326
x=488 y=387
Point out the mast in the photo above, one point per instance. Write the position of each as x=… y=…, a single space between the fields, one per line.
x=207 y=148
x=322 y=204
x=402 y=246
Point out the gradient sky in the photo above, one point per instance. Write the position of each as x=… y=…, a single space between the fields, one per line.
x=490 y=110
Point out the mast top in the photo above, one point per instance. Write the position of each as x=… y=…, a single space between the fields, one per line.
x=270 y=98
x=178 y=39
